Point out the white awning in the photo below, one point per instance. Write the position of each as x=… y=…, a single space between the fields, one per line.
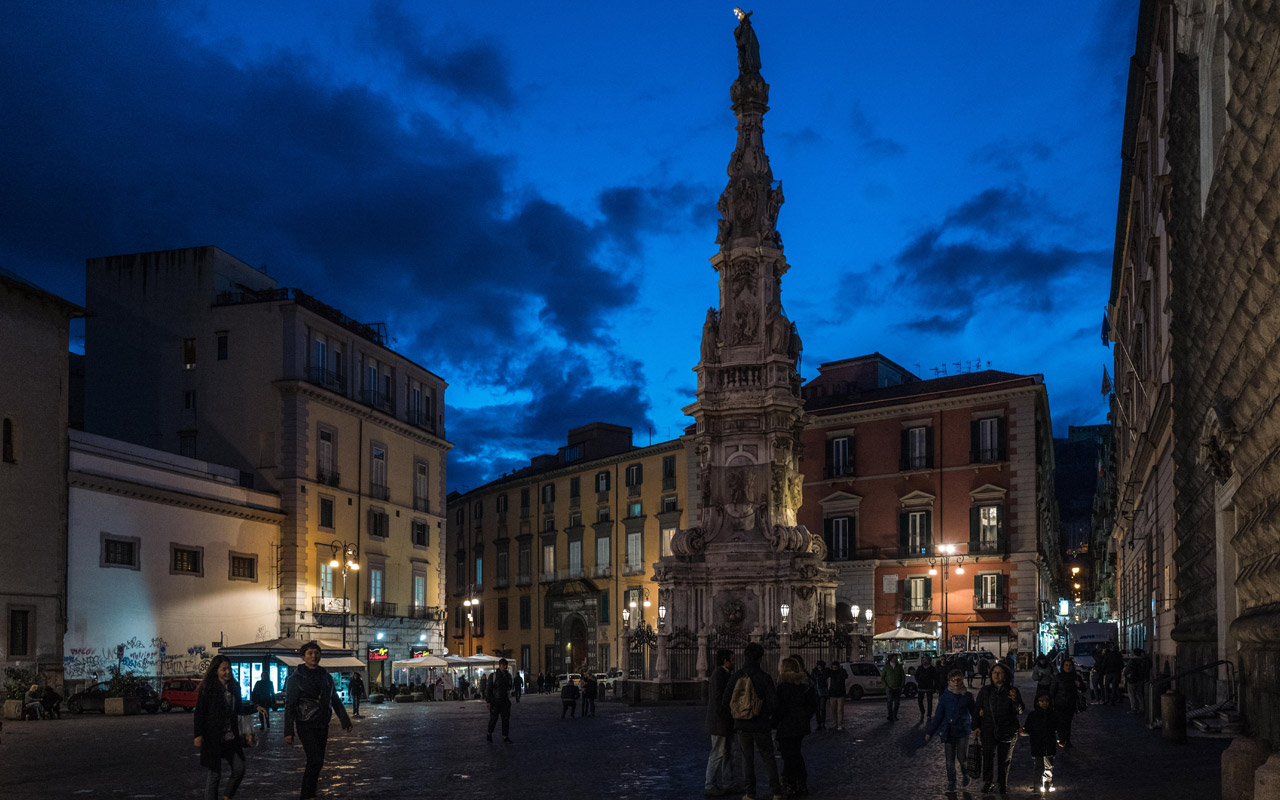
x=328 y=662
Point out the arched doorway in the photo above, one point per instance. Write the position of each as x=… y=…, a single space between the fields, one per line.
x=576 y=641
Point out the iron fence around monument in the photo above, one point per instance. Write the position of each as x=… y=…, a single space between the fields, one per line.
x=812 y=643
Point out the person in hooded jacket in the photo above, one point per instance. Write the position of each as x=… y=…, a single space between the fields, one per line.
x=217 y=727
x=1066 y=693
x=954 y=724
x=797 y=702
x=999 y=710
x=1042 y=730
x=926 y=685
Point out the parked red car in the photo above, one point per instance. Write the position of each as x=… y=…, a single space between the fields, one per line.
x=178 y=693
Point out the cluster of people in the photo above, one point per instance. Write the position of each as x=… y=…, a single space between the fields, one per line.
x=40 y=703
x=571 y=692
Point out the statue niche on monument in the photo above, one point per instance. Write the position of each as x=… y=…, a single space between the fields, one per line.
x=711 y=337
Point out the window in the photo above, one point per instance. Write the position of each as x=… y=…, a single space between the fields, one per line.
x=987 y=440
x=477 y=511
x=460 y=573
x=986 y=529
x=324 y=457
x=502 y=613
x=635 y=509
x=548 y=558
x=379 y=523
x=19 y=632
x=572 y=453
x=549 y=524
x=189 y=353
x=917 y=448
x=575 y=557
x=7 y=447
x=635 y=475
x=419 y=590
x=187 y=444
x=421 y=487
x=549 y=494
x=186 y=560
x=526 y=613
x=120 y=551
x=524 y=502
x=575 y=519
x=377 y=584
x=917 y=597
x=417 y=414
x=325 y=583
x=670 y=503
x=839 y=533
x=378 y=473
x=668 y=472
x=222 y=347
x=603 y=556
x=479 y=571
x=988 y=590
x=839 y=463
x=326 y=512
x=501 y=565
x=635 y=549
x=501 y=504
x=602 y=481
x=244 y=567
x=189 y=400
x=604 y=615
x=665 y=539
x=523 y=558
x=421 y=535
x=575 y=491
x=914 y=533
x=602 y=514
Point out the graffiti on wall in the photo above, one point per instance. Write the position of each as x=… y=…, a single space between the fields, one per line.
x=152 y=657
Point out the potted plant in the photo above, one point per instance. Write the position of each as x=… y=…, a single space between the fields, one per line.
x=124 y=694
x=16 y=683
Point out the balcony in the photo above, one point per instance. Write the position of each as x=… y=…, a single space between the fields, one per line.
x=602 y=571
x=989 y=547
x=501 y=582
x=379 y=491
x=575 y=501
x=916 y=605
x=419 y=418
x=633 y=490
x=546 y=577
x=668 y=483
x=375 y=399
x=573 y=573
x=916 y=462
x=523 y=580
x=372 y=609
x=329 y=379
x=837 y=471
x=987 y=455
x=998 y=603
x=603 y=496
x=426 y=612
x=421 y=504
x=524 y=512
x=330 y=605
x=327 y=476
x=632 y=569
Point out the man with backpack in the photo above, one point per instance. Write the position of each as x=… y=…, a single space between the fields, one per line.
x=751 y=698
x=722 y=763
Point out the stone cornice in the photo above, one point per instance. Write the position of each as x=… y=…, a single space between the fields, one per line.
x=172 y=497
x=893 y=408
x=347 y=406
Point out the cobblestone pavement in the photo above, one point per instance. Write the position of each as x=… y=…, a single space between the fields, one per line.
x=438 y=750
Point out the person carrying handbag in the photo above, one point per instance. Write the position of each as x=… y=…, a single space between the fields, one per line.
x=1000 y=708
x=217 y=723
x=310 y=698
x=953 y=722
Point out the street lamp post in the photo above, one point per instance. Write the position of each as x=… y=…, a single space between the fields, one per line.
x=946 y=555
x=855 y=611
x=469 y=604
x=349 y=561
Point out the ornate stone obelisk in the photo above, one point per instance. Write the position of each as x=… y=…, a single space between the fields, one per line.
x=745 y=557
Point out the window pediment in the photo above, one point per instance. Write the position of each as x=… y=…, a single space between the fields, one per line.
x=988 y=493
x=840 y=503
x=917 y=499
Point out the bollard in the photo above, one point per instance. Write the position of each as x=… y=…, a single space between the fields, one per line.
x=1173 y=711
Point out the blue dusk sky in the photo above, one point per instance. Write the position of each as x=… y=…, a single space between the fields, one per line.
x=525 y=192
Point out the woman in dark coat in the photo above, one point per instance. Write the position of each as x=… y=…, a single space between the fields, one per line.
x=217 y=727
x=309 y=698
x=797 y=702
x=1066 y=691
x=1000 y=709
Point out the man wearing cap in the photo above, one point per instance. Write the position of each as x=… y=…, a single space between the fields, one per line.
x=498 y=696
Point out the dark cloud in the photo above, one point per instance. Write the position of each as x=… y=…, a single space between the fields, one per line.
x=938 y=323
x=1009 y=156
x=633 y=210
x=998 y=210
x=476 y=72
x=132 y=138
x=866 y=134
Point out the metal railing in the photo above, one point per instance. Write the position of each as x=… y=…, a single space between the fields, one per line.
x=379 y=609
x=328 y=477
x=629 y=568
x=421 y=504
x=668 y=483
x=378 y=400
x=523 y=580
x=916 y=605
x=327 y=378
x=844 y=470
x=605 y=571
x=999 y=603
x=379 y=491
x=546 y=577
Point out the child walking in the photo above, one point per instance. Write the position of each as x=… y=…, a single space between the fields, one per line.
x=953 y=722
x=1042 y=729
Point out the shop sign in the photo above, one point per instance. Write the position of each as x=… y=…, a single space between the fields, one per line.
x=417 y=652
x=378 y=653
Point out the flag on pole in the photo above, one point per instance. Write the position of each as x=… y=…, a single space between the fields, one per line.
x=1106 y=382
x=1106 y=331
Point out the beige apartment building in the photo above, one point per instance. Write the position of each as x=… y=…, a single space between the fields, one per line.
x=195 y=352
x=543 y=562
x=33 y=475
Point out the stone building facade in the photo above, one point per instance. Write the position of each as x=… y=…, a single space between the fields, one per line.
x=225 y=365
x=1200 y=202
x=34 y=390
x=935 y=499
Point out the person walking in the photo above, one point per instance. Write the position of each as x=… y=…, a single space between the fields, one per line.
x=954 y=724
x=751 y=698
x=984 y=671
x=1066 y=694
x=926 y=684
x=261 y=695
x=1042 y=673
x=1113 y=666
x=837 y=680
x=217 y=727
x=542 y=683
x=1139 y=673
x=822 y=688
x=1042 y=730
x=724 y=768
x=569 y=698
x=590 y=688
x=1000 y=708
x=797 y=703
x=517 y=683
x=894 y=678
x=498 y=697
x=310 y=698
x=356 y=687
